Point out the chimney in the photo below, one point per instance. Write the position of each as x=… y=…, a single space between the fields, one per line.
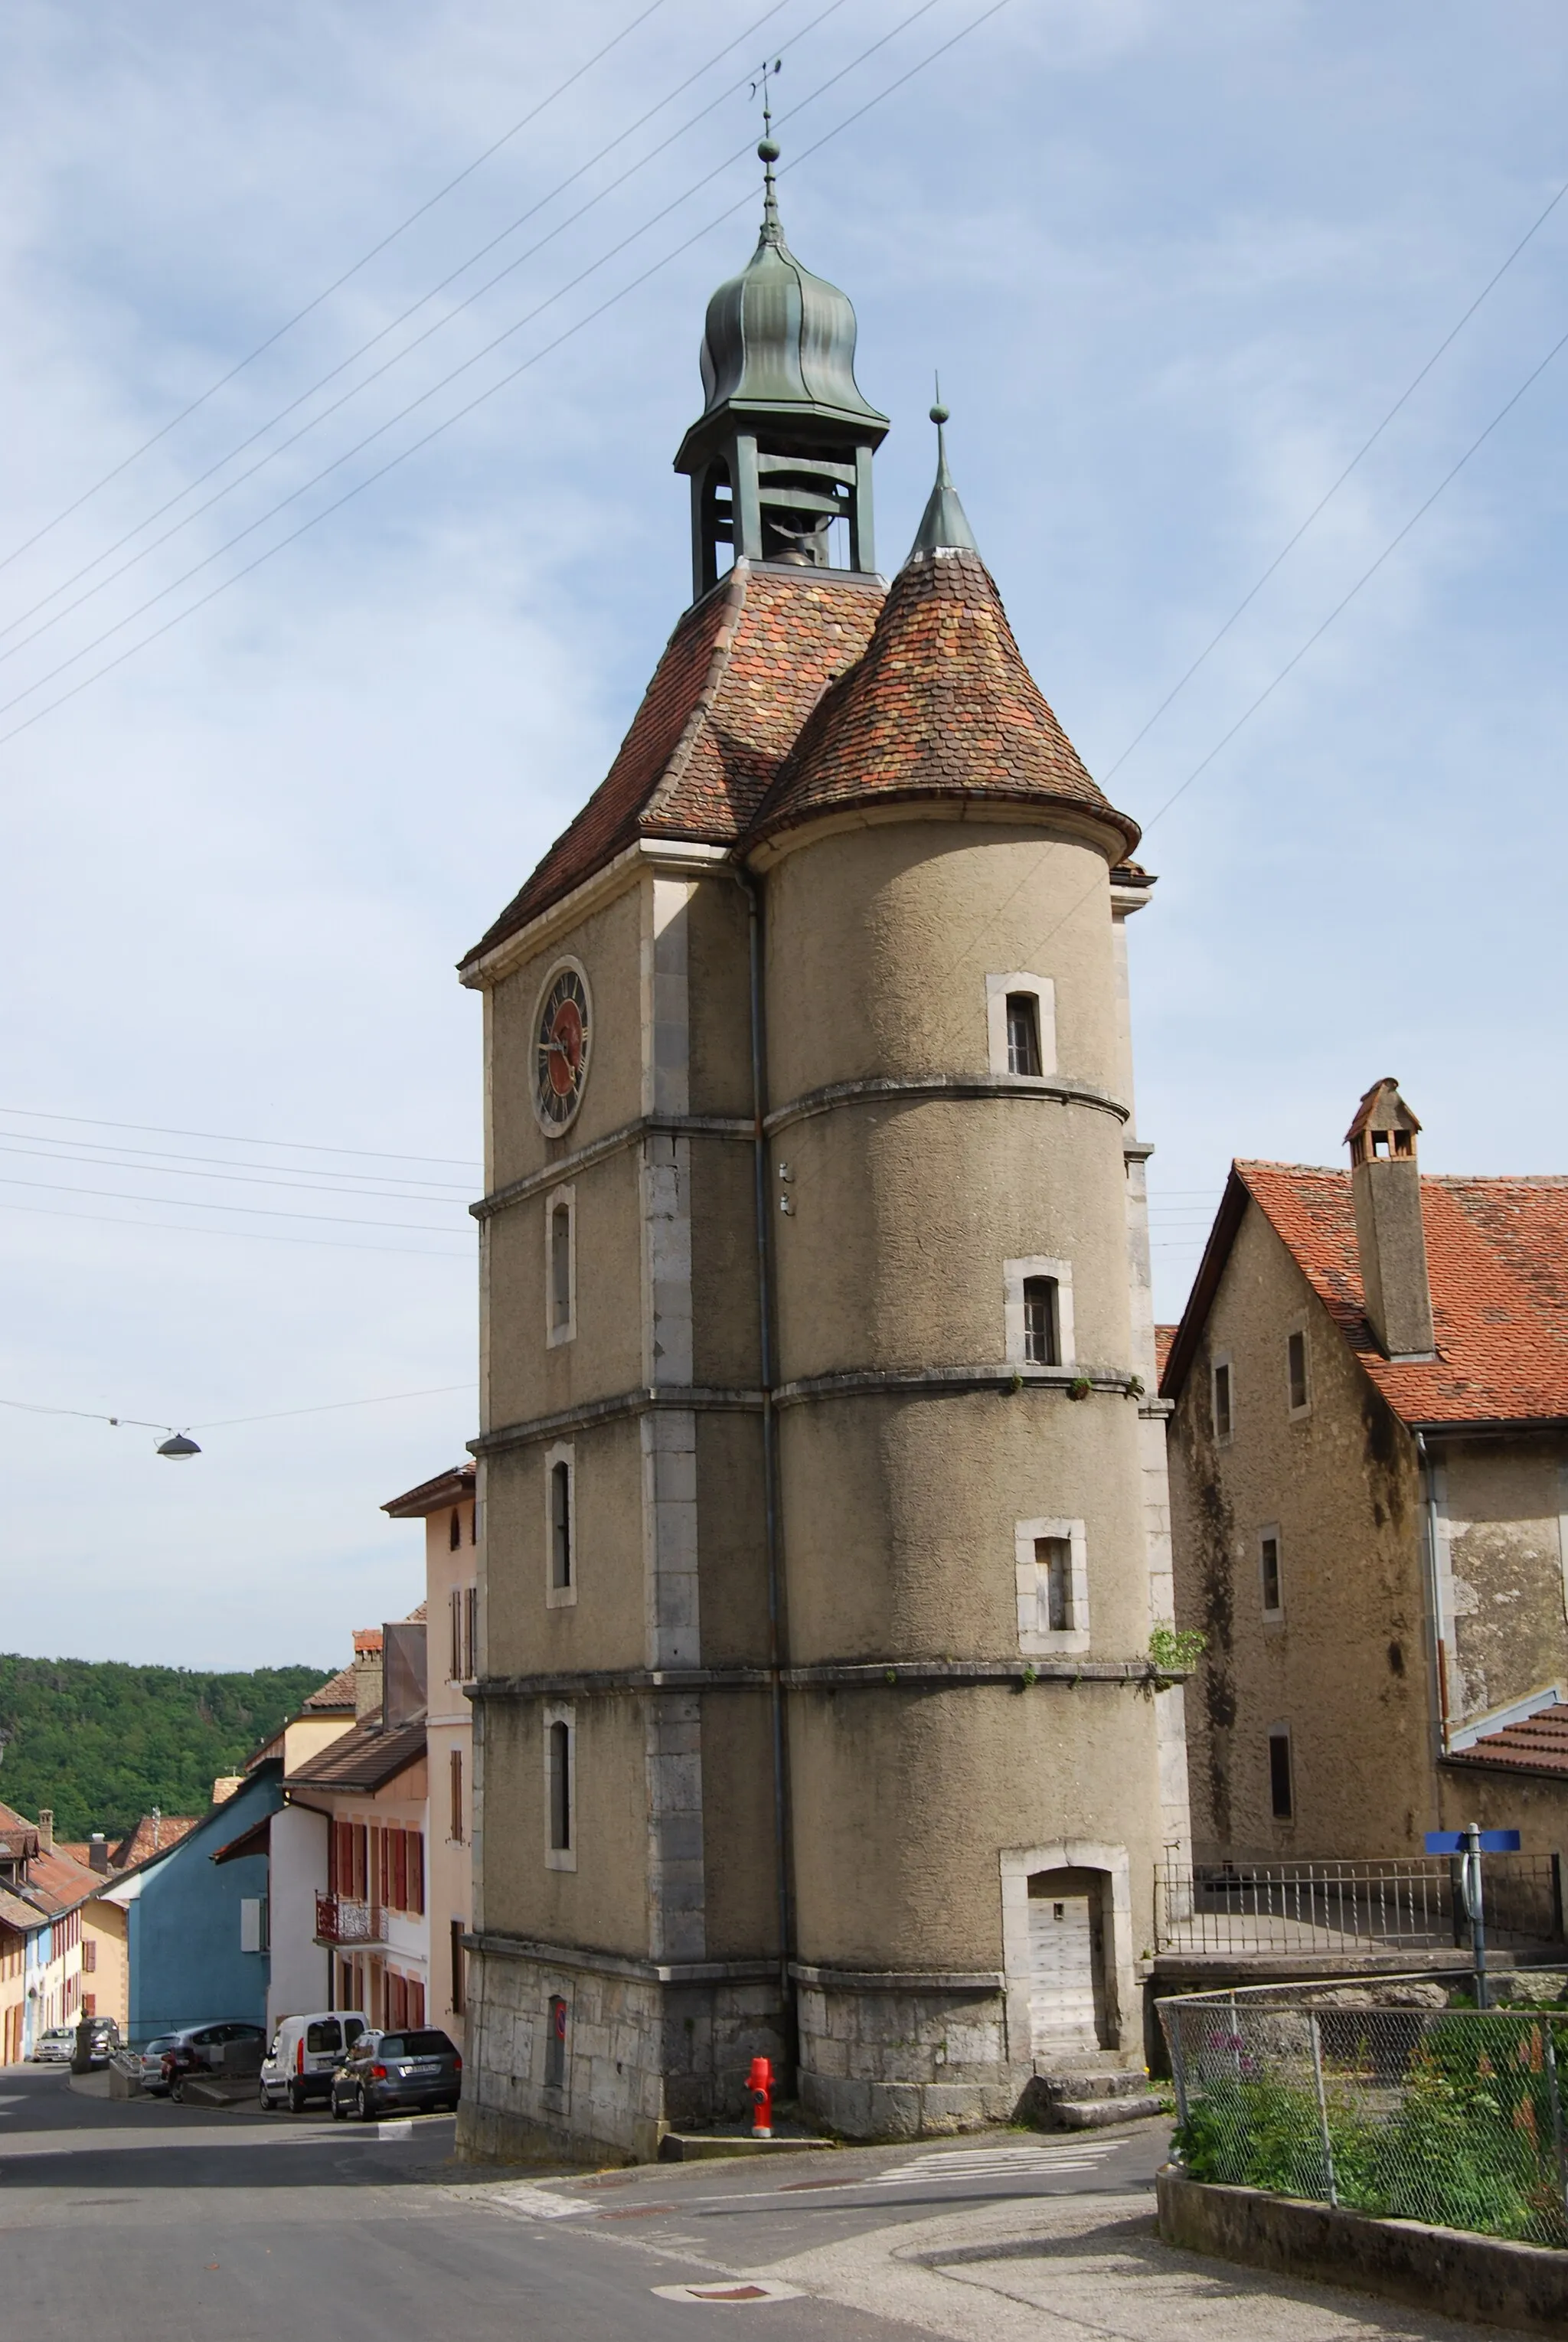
x=1386 y=1185
x=366 y=1672
x=402 y=1648
x=46 y=1828
x=98 y=1851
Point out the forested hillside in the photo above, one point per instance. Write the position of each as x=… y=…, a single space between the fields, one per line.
x=103 y=1743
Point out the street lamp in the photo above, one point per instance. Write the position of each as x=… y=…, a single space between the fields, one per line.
x=179 y=1444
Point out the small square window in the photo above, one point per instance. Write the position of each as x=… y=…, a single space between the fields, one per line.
x=1296 y=1371
x=1282 y=1787
x=1269 y=1571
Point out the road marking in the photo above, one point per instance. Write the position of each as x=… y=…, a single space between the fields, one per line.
x=533 y=2202
x=730 y=2290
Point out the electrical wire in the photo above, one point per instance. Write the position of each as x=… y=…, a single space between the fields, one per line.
x=456 y=311
x=336 y=287
x=416 y=446
x=233 y=1138
x=293 y=1182
x=229 y=1422
x=242 y=1235
x=487 y=350
x=256 y=1211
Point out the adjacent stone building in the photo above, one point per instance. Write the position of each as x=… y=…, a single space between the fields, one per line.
x=1369 y=1461
x=823 y=1494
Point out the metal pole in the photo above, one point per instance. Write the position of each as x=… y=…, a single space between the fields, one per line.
x=1321 y=2107
x=1179 y=2068
x=1556 y=2092
x=1477 y=1914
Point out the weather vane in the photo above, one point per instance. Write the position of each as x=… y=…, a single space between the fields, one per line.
x=762 y=81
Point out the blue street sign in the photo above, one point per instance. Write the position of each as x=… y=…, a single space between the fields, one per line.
x=1458 y=1841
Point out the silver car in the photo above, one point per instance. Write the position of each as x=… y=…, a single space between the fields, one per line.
x=57 y=2046
x=148 y=2067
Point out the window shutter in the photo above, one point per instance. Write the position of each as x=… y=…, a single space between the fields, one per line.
x=89 y=1956
x=399 y=1896
x=416 y=1874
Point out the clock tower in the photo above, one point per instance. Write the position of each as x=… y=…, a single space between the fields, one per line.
x=825 y=1495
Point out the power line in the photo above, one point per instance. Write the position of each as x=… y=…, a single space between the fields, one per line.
x=240 y=1235
x=256 y=1211
x=229 y=1422
x=387 y=366
x=416 y=446
x=293 y=1182
x=1366 y=448
x=336 y=287
x=397 y=357
x=231 y=1138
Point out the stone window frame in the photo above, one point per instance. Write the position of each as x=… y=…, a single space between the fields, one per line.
x=1222 y=1358
x=1276 y=1616
x=561 y=1598
x=1043 y=988
x=1014 y=1274
x=1298 y=1327
x=562 y=1857
x=563 y=1198
x=1042 y=1641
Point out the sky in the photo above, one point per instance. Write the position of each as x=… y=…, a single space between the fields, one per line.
x=270 y=763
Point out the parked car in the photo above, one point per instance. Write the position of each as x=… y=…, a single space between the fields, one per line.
x=304 y=2052
x=57 y=2046
x=209 y=2048
x=148 y=2066
x=419 y=2068
x=103 y=2040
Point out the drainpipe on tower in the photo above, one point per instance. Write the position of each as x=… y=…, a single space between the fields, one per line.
x=771 y=1529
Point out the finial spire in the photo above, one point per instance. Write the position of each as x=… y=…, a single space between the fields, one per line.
x=768 y=153
x=945 y=526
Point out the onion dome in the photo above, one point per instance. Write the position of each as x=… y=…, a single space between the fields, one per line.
x=783 y=447
x=939 y=706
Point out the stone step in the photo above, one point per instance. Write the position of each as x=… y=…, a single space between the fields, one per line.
x=1093 y=2114
x=1093 y=2082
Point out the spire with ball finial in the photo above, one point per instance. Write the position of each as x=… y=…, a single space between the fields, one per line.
x=945 y=526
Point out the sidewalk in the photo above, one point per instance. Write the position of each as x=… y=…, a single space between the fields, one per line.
x=1072 y=2266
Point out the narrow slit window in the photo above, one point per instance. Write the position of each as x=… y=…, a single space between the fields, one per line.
x=560 y=1267
x=556 y=2046
x=1269 y=1553
x=470 y=1632
x=456 y=1785
x=1022 y=1033
x=1042 y=1322
x=1282 y=1788
x=1223 y=1400
x=455 y=1532
x=560 y=1525
x=1296 y=1366
x=1054 y=1567
x=559 y=1788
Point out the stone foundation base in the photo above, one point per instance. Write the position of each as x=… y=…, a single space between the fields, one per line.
x=643 y=2050
x=906 y=2057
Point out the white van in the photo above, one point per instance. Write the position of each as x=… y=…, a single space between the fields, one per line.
x=305 y=2053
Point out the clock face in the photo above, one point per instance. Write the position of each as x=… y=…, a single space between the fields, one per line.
x=560 y=1051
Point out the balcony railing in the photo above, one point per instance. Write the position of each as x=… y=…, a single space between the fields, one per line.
x=340 y=1921
x=1412 y=1902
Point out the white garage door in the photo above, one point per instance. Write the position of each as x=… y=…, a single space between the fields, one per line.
x=1061 y=1973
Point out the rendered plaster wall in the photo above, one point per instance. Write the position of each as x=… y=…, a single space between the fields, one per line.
x=608 y=945
x=605 y=1900
x=1501 y=1543
x=604 y=1627
x=1346 y=1667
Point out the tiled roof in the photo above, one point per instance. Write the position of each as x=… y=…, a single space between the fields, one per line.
x=367 y=1638
x=1164 y=1336
x=366 y=1758
x=150 y=1838
x=739 y=676
x=941 y=704
x=454 y=1487
x=1538 y=1744
x=56 y=1881
x=1497 y=1261
x=336 y=1694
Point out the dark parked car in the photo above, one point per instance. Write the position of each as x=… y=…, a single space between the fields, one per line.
x=230 y=2047
x=417 y=2069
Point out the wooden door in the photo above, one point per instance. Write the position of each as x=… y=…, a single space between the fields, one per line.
x=1063 y=1996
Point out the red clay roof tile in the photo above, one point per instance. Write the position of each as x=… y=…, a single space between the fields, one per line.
x=1538 y=1743
x=1497 y=1259
x=739 y=676
x=941 y=704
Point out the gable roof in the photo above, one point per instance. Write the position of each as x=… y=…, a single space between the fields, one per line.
x=367 y=1759
x=738 y=677
x=454 y=1487
x=336 y=1694
x=55 y=1882
x=940 y=706
x=1531 y=1744
x=1497 y=1259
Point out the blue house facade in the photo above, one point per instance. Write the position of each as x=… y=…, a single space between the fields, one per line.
x=197 y=1931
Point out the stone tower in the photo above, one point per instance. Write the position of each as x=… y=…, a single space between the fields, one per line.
x=825 y=1495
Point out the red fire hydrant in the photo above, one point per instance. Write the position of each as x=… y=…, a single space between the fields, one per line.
x=760 y=2090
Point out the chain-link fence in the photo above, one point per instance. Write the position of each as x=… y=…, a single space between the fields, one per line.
x=1452 y=2115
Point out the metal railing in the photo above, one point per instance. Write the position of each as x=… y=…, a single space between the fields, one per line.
x=1411 y=1901
x=340 y=1921
x=1454 y=2116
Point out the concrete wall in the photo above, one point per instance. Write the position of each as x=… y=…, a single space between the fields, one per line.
x=299 y=1979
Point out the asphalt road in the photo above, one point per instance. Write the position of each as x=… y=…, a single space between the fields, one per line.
x=156 y=2223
